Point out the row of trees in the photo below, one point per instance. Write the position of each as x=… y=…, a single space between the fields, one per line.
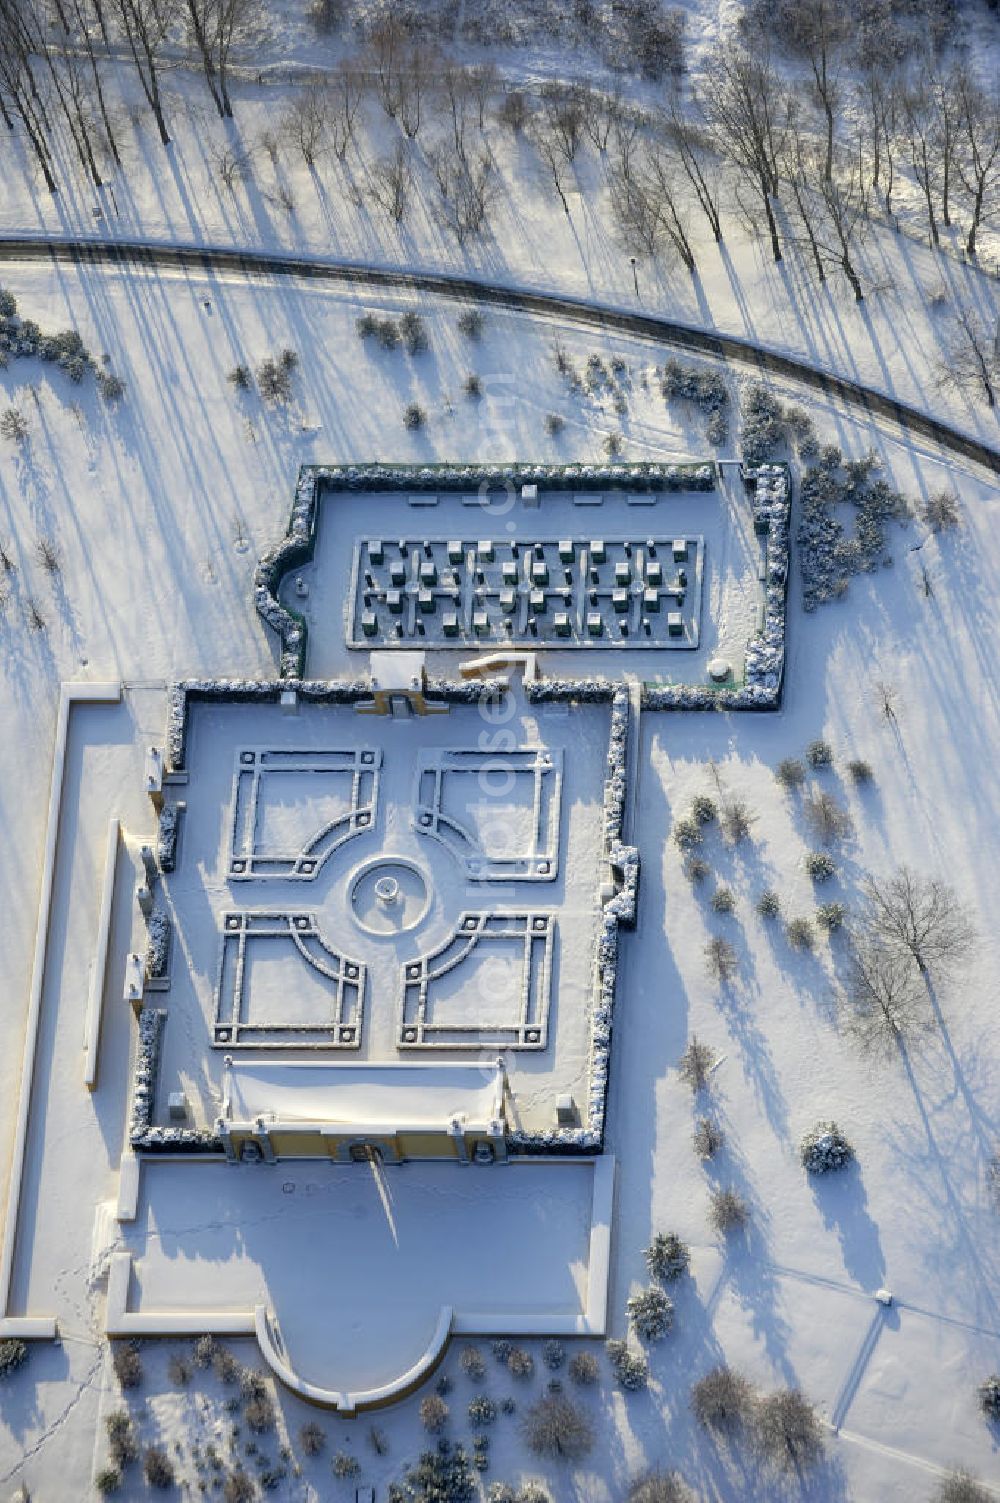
x=52 y=52
x=804 y=164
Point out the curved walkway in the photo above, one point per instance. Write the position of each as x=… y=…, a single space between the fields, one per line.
x=517 y=298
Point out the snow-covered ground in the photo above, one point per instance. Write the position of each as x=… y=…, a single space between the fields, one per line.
x=157 y=510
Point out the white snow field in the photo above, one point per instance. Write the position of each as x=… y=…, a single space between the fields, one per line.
x=157 y=511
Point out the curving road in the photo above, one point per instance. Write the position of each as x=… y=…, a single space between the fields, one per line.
x=729 y=347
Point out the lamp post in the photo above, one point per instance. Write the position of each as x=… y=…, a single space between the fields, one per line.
x=635 y=275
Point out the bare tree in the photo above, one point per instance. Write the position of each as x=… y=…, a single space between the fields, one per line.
x=919 y=127
x=20 y=91
x=216 y=26
x=846 y=202
x=346 y=92
x=978 y=163
x=883 y=1003
x=830 y=210
x=555 y=1426
x=745 y=109
x=815 y=31
x=879 y=99
x=564 y=112
x=788 y=1430
x=720 y=957
x=970 y=363
x=550 y=154
x=304 y=123
x=700 y=163
x=723 y=1399
x=413 y=81
x=390 y=183
x=467 y=187
x=919 y=915
x=145 y=24
x=387 y=41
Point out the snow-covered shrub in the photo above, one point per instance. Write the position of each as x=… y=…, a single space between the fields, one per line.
x=768 y=905
x=8 y=303
x=556 y=1426
x=630 y=1368
x=799 y=934
x=501 y=1349
x=722 y=1399
x=533 y=1492
x=660 y=1487
x=178 y=1371
x=470 y=323
x=414 y=416
x=827 y=819
x=225 y=1366
x=736 y=820
x=553 y=1354
x=787 y=1430
x=345 y=1465
x=651 y=1313
x=696 y=869
x=819 y=753
x=667 y=1257
x=720 y=956
x=717 y=429
x=434 y=1413
x=820 y=865
x=520 y=1363
x=790 y=772
x=473 y=387
x=258 y=1411
x=554 y=423
x=583 y=1369
x=695 y=1063
x=613 y=444
x=940 y=511
x=762 y=425
x=127 y=1363
x=830 y=916
x=860 y=771
x=704 y=809
x=707 y=1138
x=962 y=1487
x=157 y=1468
x=989 y=1396
x=501 y=1492
x=473 y=1363
x=414 y=333
x=482 y=1410
x=108 y=1480
x=441 y=1476
x=13 y=1352
x=723 y=900
x=13 y=425
x=240 y=378
x=312 y=1438
x=121 y=1437
x=443 y=1385
x=274 y=376
x=111 y=386
x=687 y=833
x=728 y=1211
x=239 y=1487
x=823 y=1148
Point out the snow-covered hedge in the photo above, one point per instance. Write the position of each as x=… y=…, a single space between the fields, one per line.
x=310 y=691
x=158 y=930
x=166 y=839
x=618 y=911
